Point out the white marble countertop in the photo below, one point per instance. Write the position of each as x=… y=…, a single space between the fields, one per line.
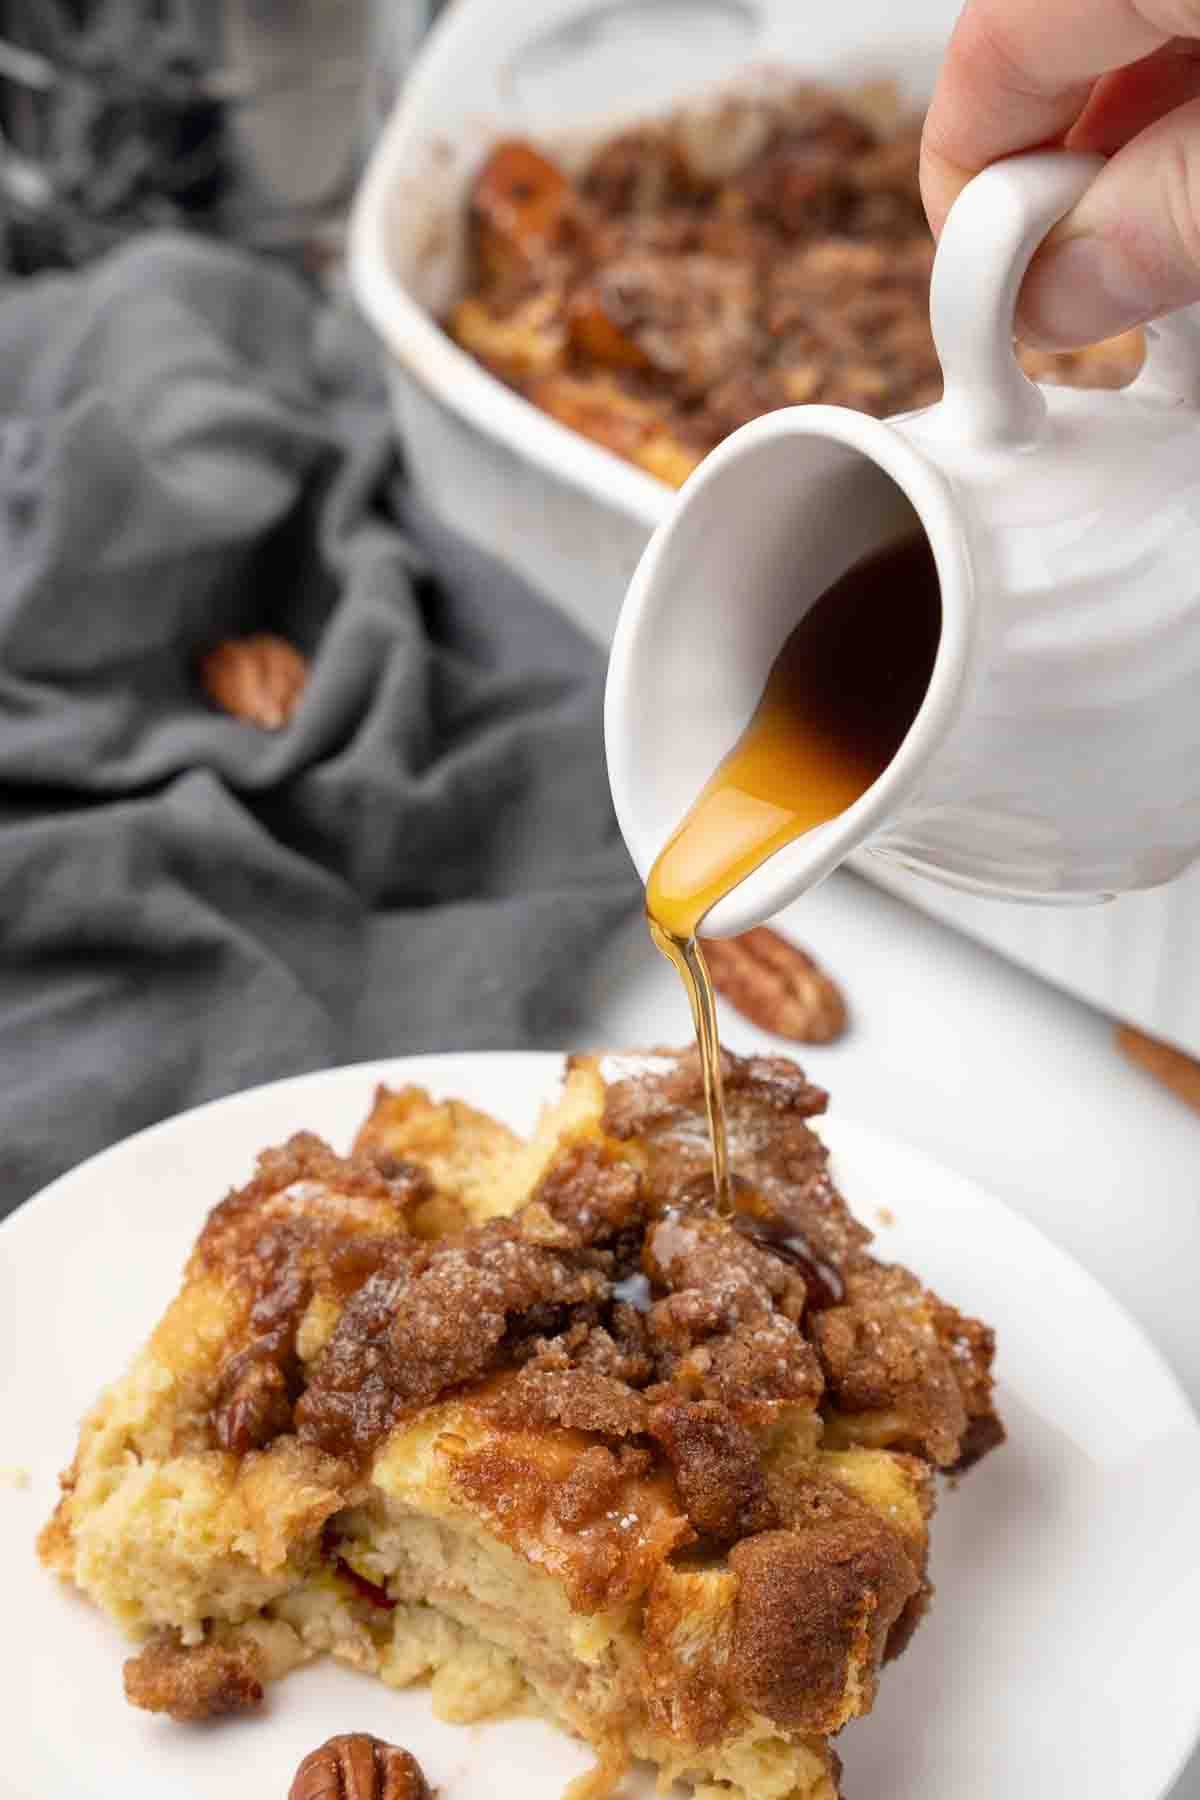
x=996 y=1075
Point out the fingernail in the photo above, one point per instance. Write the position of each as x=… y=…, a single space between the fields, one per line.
x=1078 y=292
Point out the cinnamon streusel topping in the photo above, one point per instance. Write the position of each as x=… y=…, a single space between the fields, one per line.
x=615 y=1302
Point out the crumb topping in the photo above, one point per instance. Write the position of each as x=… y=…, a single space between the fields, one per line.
x=718 y=1433
x=310 y=1222
x=616 y=1303
x=551 y=1390
x=305 y=1185
x=667 y=1088
x=198 y=1681
x=716 y=1465
x=811 y=1605
x=704 y=269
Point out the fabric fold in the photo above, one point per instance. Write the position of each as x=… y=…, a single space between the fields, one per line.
x=194 y=447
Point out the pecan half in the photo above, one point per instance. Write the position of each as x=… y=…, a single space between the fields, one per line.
x=259 y=679
x=1174 y=1068
x=357 y=1766
x=253 y=1405
x=776 y=985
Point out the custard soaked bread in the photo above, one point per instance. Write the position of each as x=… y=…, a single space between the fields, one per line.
x=590 y=1447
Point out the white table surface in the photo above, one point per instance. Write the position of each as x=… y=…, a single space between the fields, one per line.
x=995 y=1074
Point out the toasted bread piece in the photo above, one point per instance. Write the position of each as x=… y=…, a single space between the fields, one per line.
x=476 y=1165
x=664 y=1475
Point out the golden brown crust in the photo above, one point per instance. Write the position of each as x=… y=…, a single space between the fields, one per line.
x=525 y=1483
x=784 y=1314
x=596 y=1483
x=430 y=1324
x=717 y=1469
x=322 y=1197
x=592 y=1196
x=673 y=1416
x=200 y=1681
x=551 y=1392
x=881 y=1352
x=680 y=287
x=522 y=213
x=308 y=1223
x=898 y=1350
x=253 y=1405
x=666 y=1087
x=814 y=1609
x=884 y=1349
x=685 y=1680
x=471 y=1160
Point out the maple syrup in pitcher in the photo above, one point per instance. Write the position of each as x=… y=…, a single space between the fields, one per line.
x=837 y=705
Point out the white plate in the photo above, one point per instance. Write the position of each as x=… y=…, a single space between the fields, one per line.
x=1061 y=1657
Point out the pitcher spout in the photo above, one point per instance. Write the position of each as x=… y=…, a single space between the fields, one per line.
x=769 y=531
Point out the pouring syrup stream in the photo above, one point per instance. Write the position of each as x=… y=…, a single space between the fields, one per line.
x=838 y=702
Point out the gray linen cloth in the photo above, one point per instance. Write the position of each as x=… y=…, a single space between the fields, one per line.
x=191 y=448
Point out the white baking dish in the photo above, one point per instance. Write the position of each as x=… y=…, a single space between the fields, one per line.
x=571 y=516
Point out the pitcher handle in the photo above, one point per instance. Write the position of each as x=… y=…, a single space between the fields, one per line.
x=989 y=240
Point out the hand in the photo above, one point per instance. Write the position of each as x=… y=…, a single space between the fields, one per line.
x=1113 y=76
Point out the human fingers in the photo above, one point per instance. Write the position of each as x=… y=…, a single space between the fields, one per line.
x=1122 y=104
x=1130 y=250
x=1018 y=73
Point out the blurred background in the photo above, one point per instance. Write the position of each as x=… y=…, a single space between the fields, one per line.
x=244 y=118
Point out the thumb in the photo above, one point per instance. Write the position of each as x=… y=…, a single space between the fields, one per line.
x=1130 y=250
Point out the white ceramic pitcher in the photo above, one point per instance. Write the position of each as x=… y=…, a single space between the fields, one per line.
x=1056 y=755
